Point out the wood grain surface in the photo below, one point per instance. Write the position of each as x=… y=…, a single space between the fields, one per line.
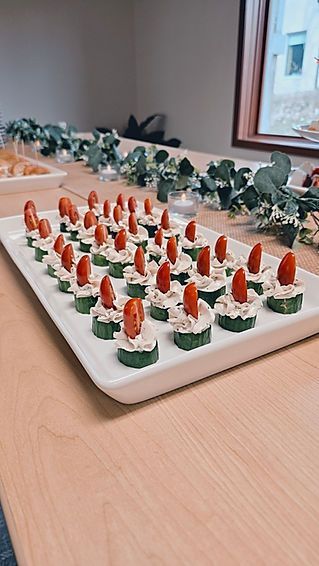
x=224 y=472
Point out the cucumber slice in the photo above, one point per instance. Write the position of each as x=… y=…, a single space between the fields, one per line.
x=158 y=313
x=63 y=227
x=190 y=341
x=229 y=271
x=136 y=290
x=63 y=285
x=74 y=235
x=285 y=306
x=155 y=257
x=256 y=286
x=143 y=244
x=116 y=269
x=138 y=359
x=39 y=254
x=51 y=271
x=192 y=252
x=100 y=260
x=236 y=324
x=104 y=330
x=210 y=297
x=84 y=247
x=84 y=304
x=181 y=277
x=150 y=229
x=30 y=241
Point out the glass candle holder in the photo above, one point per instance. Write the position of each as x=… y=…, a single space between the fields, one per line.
x=108 y=173
x=183 y=204
x=64 y=155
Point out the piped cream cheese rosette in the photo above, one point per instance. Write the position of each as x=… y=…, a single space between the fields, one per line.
x=87 y=232
x=63 y=214
x=65 y=272
x=136 y=342
x=45 y=241
x=85 y=287
x=107 y=314
x=169 y=227
x=223 y=259
x=102 y=241
x=75 y=223
x=148 y=218
x=285 y=292
x=121 y=255
x=53 y=258
x=180 y=263
x=191 y=321
x=136 y=234
x=93 y=203
x=237 y=310
x=139 y=275
x=210 y=283
x=164 y=294
x=192 y=242
x=256 y=274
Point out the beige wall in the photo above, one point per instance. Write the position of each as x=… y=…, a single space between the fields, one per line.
x=67 y=60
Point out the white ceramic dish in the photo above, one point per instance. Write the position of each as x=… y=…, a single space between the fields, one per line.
x=175 y=367
x=302 y=130
x=51 y=180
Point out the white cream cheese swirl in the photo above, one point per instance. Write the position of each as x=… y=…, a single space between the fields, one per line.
x=123 y=256
x=52 y=258
x=174 y=230
x=134 y=277
x=149 y=219
x=154 y=249
x=263 y=274
x=45 y=244
x=75 y=227
x=165 y=300
x=108 y=221
x=182 y=264
x=227 y=306
x=144 y=342
x=109 y=315
x=62 y=219
x=229 y=261
x=90 y=289
x=34 y=234
x=272 y=288
x=116 y=227
x=199 y=242
x=64 y=274
x=186 y=323
x=86 y=235
x=141 y=236
x=97 y=249
x=216 y=280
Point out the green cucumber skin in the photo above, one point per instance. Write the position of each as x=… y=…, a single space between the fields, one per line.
x=211 y=297
x=136 y=290
x=143 y=244
x=84 y=247
x=138 y=360
x=30 y=241
x=150 y=229
x=63 y=285
x=100 y=260
x=104 y=330
x=285 y=306
x=156 y=258
x=63 y=227
x=190 y=341
x=158 y=313
x=182 y=277
x=74 y=235
x=256 y=286
x=229 y=271
x=236 y=324
x=83 y=304
x=39 y=254
x=116 y=269
x=192 y=252
x=51 y=271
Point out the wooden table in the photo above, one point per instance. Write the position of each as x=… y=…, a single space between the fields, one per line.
x=224 y=472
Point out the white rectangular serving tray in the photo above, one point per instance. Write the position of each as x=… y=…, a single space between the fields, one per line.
x=175 y=367
x=51 y=180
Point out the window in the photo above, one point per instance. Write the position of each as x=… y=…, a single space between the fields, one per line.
x=277 y=84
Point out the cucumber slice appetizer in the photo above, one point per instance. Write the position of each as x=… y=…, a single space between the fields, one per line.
x=190 y=341
x=74 y=235
x=229 y=271
x=116 y=269
x=84 y=247
x=39 y=254
x=84 y=304
x=100 y=260
x=256 y=286
x=63 y=227
x=104 y=330
x=150 y=229
x=138 y=359
x=51 y=271
x=158 y=313
x=192 y=252
x=210 y=297
x=285 y=306
x=136 y=290
x=155 y=257
x=30 y=241
x=63 y=285
x=236 y=324
x=181 y=277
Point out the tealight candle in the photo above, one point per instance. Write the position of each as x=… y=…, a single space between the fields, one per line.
x=107 y=173
x=183 y=203
x=64 y=155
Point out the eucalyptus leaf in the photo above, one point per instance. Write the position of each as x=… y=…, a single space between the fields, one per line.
x=161 y=156
x=239 y=179
x=185 y=167
x=250 y=197
x=269 y=179
x=163 y=188
x=282 y=161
